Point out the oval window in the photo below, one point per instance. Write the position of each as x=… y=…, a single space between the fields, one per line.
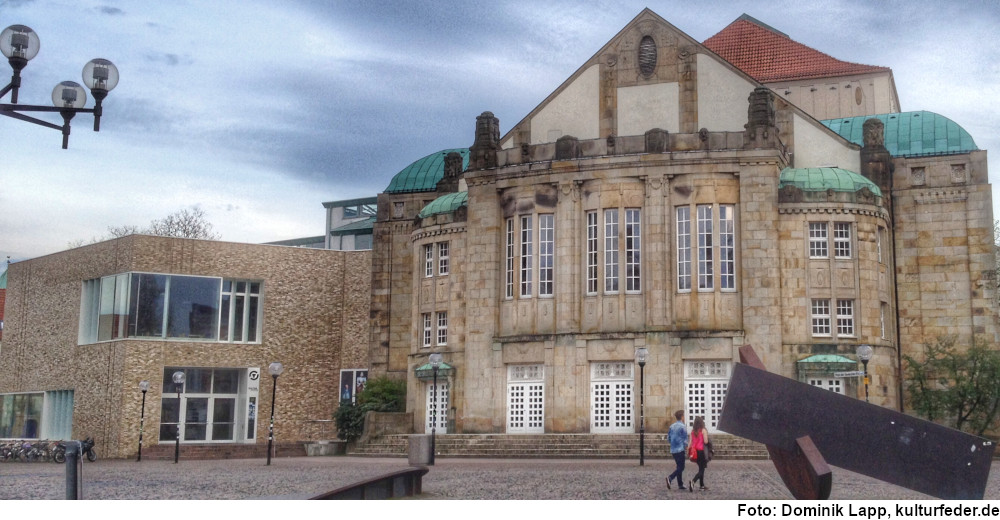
x=859 y=95
x=647 y=55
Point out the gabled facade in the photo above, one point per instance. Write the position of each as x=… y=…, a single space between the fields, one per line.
x=820 y=84
x=662 y=198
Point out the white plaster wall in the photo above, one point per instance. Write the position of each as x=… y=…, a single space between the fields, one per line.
x=722 y=96
x=574 y=111
x=814 y=147
x=645 y=107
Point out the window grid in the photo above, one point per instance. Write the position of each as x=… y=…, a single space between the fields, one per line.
x=833 y=385
x=442 y=328
x=427 y=329
x=821 y=317
x=443 y=258
x=818 y=240
x=509 y=292
x=633 y=250
x=706 y=280
x=546 y=254
x=610 y=250
x=684 y=248
x=842 y=239
x=526 y=255
x=591 y=252
x=845 y=317
x=429 y=260
x=437 y=409
x=727 y=248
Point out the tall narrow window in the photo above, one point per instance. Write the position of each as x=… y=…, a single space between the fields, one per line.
x=509 y=283
x=526 y=255
x=591 y=252
x=706 y=280
x=611 y=250
x=818 y=240
x=427 y=329
x=546 y=254
x=881 y=319
x=633 y=250
x=429 y=260
x=727 y=248
x=842 y=239
x=878 y=243
x=442 y=328
x=821 y=317
x=684 y=248
x=845 y=317
x=443 y=258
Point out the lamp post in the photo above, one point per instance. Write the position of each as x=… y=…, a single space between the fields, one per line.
x=865 y=353
x=178 y=384
x=20 y=44
x=144 y=387
x=435 y=360
x=640 y=357
x=275 y=369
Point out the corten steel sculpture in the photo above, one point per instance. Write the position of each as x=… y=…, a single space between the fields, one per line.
x=804 y=426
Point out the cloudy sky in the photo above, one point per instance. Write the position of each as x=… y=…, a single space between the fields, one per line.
x=258 y=112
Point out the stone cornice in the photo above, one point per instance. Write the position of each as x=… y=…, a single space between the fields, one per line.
x=425 y=233
x=941 y=196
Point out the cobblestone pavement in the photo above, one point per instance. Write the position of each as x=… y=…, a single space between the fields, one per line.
x=461 y=479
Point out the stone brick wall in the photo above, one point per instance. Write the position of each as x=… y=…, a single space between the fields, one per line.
x=315 y=320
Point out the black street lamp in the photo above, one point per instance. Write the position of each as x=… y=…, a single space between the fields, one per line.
x=640 y=357
x=144 y=387
x=20 y=44
x=435 y=360
x=178 y=384
x=275 y=369
x=865 y=353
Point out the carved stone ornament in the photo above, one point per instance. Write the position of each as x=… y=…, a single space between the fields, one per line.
x=874 y=132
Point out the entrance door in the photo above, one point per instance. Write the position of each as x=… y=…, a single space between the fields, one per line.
x=437 y=407
x=611 y=408
x=705 y=386
x=525 y=399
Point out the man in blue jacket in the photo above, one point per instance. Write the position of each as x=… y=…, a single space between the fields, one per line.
x=678 y=436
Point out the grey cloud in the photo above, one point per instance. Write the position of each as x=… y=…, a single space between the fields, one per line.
x=106 y=9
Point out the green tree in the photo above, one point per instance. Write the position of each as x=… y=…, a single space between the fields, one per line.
x=380 y=395
x=959 y=387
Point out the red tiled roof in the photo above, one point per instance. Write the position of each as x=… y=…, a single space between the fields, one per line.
x=768 y=56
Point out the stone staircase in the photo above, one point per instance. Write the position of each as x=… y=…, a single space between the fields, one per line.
x=613 y=446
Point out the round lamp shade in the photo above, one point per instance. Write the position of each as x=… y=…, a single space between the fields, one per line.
x=19 y=41
x=865 y=352
x=69 y=94
x=275 y=369
x=179 y=377
x=100 y=74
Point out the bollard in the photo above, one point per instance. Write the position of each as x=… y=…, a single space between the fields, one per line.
x=74 y=465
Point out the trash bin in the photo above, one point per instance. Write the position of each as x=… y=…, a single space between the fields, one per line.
x=420 y=450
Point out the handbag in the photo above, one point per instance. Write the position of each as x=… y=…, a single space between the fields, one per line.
x=709 y=451
x=692 y=454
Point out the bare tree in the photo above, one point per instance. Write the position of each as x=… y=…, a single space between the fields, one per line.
x=186 y=223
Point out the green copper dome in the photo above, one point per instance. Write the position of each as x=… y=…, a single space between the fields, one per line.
x=445 y=204
x=822 y=179
x=909 y=134
x=424 y=173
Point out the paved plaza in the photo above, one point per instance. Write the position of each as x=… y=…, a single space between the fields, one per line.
x=449 y=479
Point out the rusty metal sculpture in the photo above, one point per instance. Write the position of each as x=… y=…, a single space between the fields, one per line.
x=803 y=427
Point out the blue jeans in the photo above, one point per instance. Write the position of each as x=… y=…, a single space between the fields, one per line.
x=679 y=460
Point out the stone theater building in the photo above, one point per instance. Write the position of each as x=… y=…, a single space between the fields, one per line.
x=687 y=198
x=680 y=197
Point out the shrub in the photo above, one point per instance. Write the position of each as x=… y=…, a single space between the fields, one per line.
x=380 y=395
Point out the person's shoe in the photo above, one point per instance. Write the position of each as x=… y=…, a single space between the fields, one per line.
x=668 y=483
x=703 y=488
x=691 y=486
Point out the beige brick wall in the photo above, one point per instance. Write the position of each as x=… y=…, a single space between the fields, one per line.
x=315 y=316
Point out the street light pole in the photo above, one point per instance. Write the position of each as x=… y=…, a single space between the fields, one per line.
x=20 y=44
x=275 y=369
x=143 y=386
x=435 y=360
x=865 y=353
x=178 y=383
x=640 y=356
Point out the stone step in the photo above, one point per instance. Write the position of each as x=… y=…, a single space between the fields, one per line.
x=554 y=445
